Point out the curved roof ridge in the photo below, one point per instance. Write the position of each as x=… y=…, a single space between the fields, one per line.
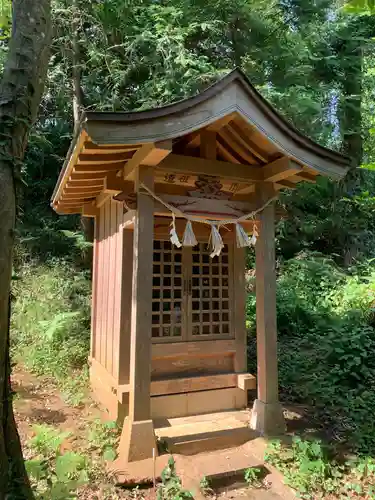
x=184 y=104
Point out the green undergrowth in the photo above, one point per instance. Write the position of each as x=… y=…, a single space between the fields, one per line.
x=326 y=332
x=171 y=487
x=326 y=328
x=309 y=467
x=50 y=324
x=58 y=472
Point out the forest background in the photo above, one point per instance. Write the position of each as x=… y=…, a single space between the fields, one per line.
x=315 y=62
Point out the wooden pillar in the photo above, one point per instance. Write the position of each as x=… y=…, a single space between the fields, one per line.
x=240 y=360
x=267 y=415
x=138 y=438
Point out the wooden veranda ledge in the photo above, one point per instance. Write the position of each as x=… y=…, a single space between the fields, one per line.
x=168 y=335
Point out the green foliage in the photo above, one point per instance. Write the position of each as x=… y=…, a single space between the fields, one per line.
x=327 y=343
x=5 y=15
x=47 y=440
x=305 y=467
x=362 y=7
x=55 y=475
x=253 y=477
x=170 y=488
x=314 y=473
x=205 y=486
x=50 y=324
x=103 y=437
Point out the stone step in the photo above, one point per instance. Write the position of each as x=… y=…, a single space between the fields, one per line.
x=197 y=434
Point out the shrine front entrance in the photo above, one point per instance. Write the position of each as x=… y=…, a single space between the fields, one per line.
x=193 y=330
x=191 y=293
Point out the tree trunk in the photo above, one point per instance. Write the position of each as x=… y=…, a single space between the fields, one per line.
x=87 y=223
x=21 y=90
x=352 y=93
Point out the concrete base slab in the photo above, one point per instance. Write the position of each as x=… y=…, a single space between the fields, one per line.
x=191 y=469
x=267 y=418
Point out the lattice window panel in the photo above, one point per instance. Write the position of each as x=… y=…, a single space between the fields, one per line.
x=167 y=292
x=210 y=293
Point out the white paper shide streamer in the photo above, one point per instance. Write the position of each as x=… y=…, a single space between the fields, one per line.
x=189 y=239
x=173 y=233
x=242 y=238
x=216 y=241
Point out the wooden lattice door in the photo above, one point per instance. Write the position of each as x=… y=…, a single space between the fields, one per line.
x=210 y=291
x=168 y=311
x=191 y=293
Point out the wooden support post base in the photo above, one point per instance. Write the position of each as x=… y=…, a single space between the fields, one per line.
x=137 y=441
x=267 y=418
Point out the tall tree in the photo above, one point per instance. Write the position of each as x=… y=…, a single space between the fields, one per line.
x=21 y=90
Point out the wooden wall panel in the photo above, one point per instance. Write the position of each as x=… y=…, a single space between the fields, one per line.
x=117 y=286
x=191 y=365
x=107 y=287
x=94 y=296
x=195 y=403
x=111 y=281
x=99 y=287
x=105 y=278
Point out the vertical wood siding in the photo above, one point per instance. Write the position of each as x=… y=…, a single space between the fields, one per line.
x=107 y=283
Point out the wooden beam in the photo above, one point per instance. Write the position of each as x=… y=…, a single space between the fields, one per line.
x=220 y=209
x=72 y=203
x=246 y=190
x=92 y=148
x=305 y=176
x=267 y=415
x=116 y=185
x=227 y=154
x=82 y=176
x=246 y=381
x=97 y=168
x=208 y=144
x=244 y=130
x=90 y=210
x=102 y=198
x=276 y=170
x=149 y=154
x=285 y=184
x=187 y=384
x=238 y=145
x=201 y=166
x=89 y=159
x=69 y=168
x=83 y=183
x=280 y=169
x=198 y=348
x=80 y=197
x=82 y=190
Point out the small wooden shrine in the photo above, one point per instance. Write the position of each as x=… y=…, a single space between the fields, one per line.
x=177 y=194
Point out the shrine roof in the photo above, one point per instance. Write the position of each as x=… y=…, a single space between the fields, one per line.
x=229 y=131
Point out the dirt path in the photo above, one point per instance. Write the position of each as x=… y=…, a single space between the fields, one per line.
x=38 y=401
